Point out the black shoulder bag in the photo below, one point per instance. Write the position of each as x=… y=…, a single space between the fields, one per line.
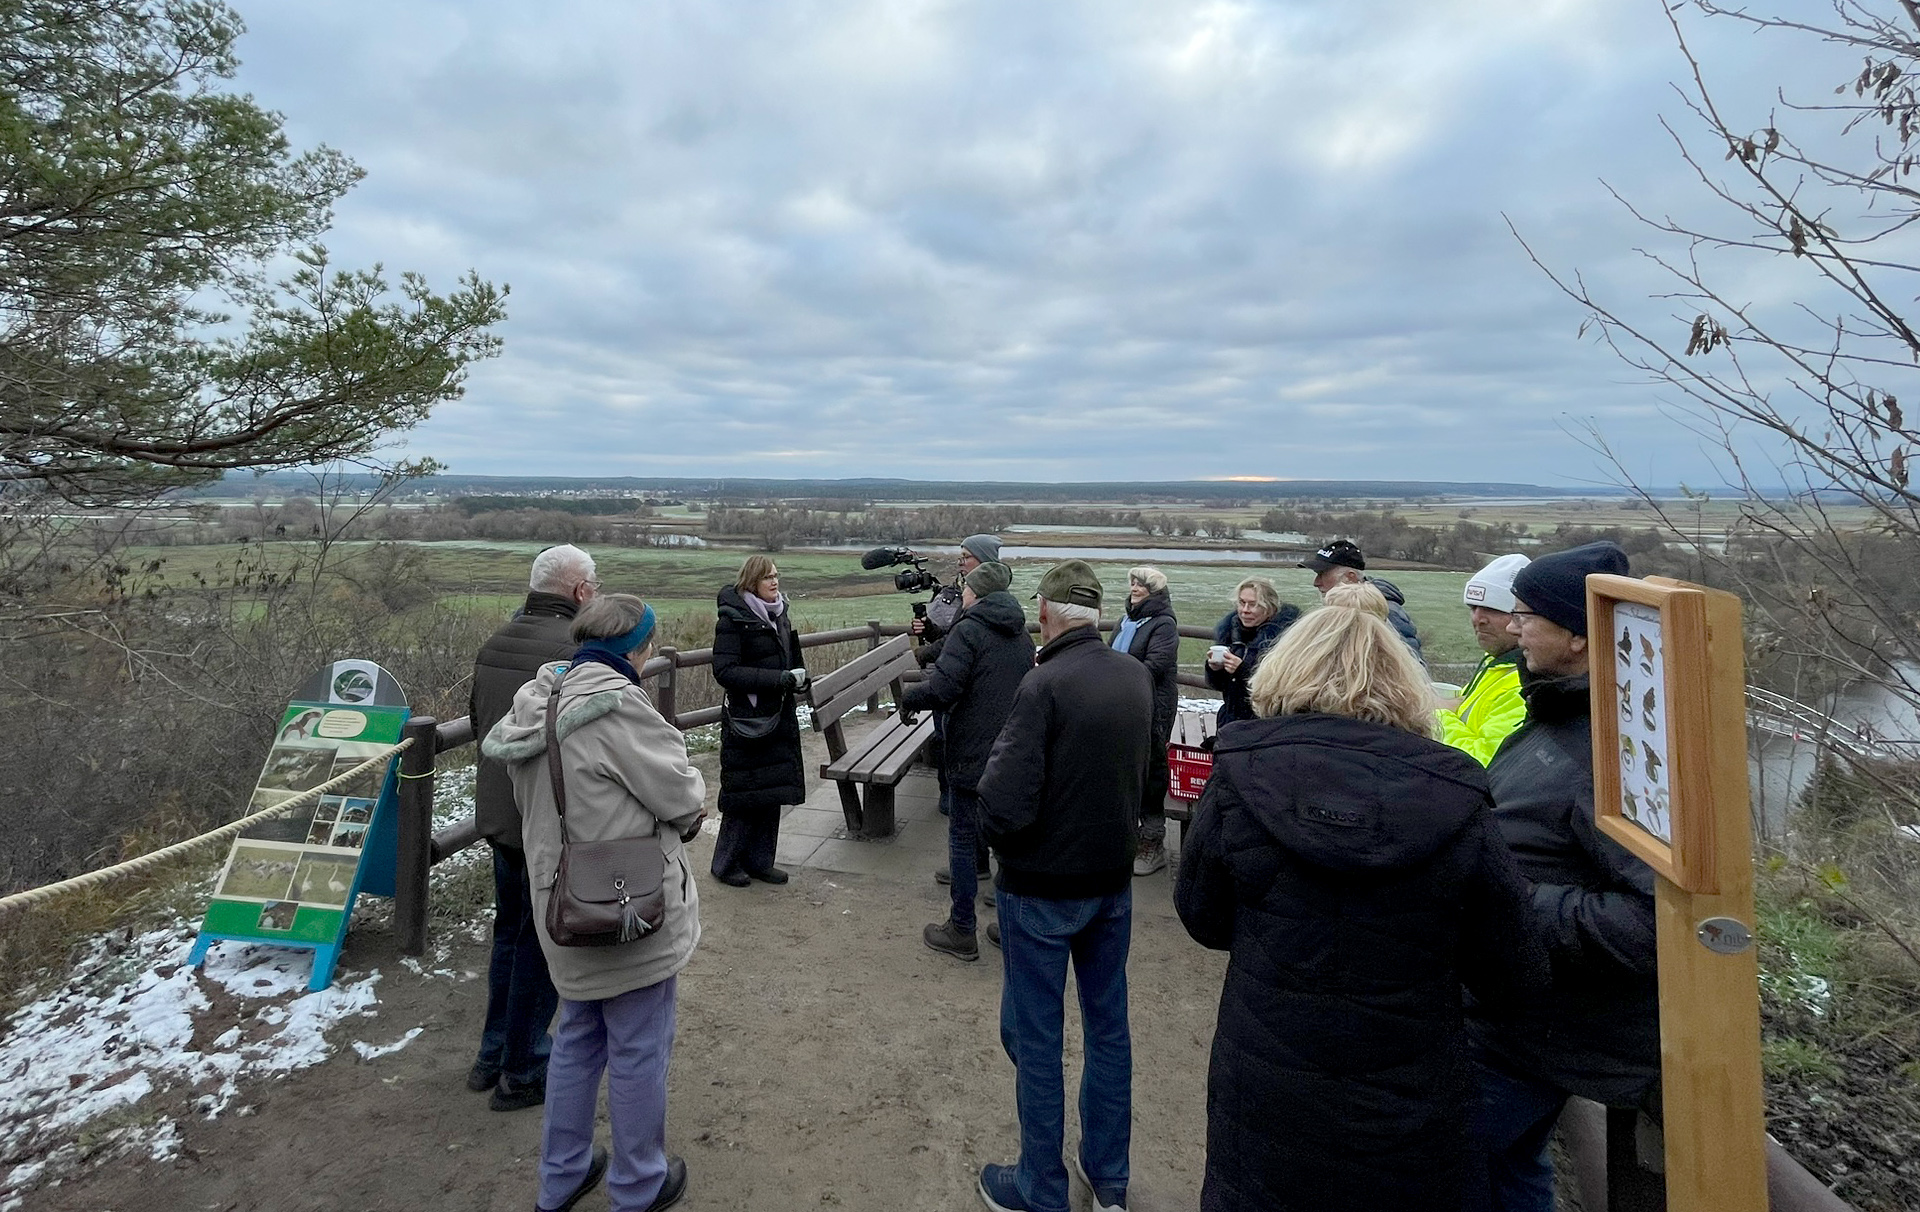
x=606 y=893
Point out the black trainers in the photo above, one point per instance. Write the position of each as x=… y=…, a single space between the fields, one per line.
x=993 y=933
x=772 y=875
x=946 y=937
x=517 y=1098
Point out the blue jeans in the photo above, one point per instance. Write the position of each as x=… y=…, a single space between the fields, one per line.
x=520 y=995
x=1509 y=1168
x=963 y=844
x=1037 y=938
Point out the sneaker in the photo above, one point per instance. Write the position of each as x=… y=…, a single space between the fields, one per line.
x=1105 y=1199
x=517 y=1098
x=1152 y=858
x=993 y=933
x=946 y=937
x=596 y=1170
x=944 y=877
x=999 y=1191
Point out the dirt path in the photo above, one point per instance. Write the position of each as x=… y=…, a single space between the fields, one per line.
x=825 y=1058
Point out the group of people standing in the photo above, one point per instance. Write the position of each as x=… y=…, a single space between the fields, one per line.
x=1431 y=945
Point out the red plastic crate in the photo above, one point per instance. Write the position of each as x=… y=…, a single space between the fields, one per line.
x=1188 y=768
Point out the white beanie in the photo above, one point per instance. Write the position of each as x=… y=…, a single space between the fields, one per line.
x=1492 y=586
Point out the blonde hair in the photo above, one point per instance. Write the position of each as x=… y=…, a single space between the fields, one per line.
x=1344 y=658
x=1149 y=578
x=756 y=569
x=1265 y=596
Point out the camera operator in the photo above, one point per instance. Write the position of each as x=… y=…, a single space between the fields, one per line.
x=975 y=550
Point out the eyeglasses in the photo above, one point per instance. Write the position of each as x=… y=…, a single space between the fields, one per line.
x=1524 y=615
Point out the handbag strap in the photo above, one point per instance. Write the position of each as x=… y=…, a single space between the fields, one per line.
x=554 y=770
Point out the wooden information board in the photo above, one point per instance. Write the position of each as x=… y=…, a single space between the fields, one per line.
x=1670 y=785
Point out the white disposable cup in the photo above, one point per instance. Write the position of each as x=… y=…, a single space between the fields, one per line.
x=1217 y=655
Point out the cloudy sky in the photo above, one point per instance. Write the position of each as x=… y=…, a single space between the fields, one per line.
x=1080 y=239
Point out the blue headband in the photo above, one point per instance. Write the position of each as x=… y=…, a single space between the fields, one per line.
x=626 y=642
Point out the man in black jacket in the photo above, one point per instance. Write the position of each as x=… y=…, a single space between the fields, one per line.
x=520 y=996
x=1597 y=1032
x=982 y=661
x=1058 y=802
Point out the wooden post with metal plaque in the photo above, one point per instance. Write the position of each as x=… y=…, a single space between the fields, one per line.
x=1670 y=784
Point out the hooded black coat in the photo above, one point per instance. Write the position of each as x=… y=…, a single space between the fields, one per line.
x=1356 y=876
x=1249 y=646
x=1598 y=1033
x=982 y=660
x=750 y=657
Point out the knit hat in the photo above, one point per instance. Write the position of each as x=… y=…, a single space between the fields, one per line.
x=1555 y=586
x=983 y=547
x=1492 y=586
x=990 y=577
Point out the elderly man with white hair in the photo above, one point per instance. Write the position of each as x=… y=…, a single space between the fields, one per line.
x=520 y=996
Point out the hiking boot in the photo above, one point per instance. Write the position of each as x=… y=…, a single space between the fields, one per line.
x=946 y=937
x=1105 y=1199
x=483 y=1077
x=1152 y=858
x=993 y=933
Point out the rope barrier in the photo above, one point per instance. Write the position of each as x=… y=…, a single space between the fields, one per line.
x=36 y=896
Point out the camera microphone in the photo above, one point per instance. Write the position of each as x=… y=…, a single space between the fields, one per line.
x=882 y=557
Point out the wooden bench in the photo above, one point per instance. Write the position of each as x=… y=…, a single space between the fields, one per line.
x=883 y=756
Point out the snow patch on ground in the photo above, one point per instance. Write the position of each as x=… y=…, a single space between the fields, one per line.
x=374 y=1051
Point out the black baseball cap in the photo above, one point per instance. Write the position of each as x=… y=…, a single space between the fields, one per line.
x=1337 y=554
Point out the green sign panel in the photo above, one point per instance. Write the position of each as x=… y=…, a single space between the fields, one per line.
x=292 y=880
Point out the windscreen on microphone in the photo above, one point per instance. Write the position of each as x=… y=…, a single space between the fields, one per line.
x=881 y=557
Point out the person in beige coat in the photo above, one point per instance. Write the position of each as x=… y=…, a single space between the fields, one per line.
x=627 y=774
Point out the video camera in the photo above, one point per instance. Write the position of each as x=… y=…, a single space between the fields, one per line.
x=942 y=609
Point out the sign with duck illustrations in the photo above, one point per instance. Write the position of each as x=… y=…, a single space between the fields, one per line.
x=1668 y=679
x=292 y=879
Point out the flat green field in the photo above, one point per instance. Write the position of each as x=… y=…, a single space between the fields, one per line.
x=828 y=589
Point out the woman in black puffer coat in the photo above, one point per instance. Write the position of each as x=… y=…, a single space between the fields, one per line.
x=756 y=660
x=1351 y=866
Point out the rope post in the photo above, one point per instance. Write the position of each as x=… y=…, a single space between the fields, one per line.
x=666 y=689
x=873 y=642
x=416 y=836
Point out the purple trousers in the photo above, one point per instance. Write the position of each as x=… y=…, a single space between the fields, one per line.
x=631 y=1038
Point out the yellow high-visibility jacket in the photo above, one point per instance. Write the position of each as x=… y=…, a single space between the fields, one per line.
x=1490 y=708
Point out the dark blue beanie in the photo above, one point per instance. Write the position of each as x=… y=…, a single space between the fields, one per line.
x=1555 y=586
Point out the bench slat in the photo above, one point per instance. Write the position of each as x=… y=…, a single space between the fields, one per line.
x=831 y=708
x=828 y=684
x=882 y=755
x=887 y=762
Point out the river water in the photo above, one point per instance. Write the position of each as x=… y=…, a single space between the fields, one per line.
x=1781 y=766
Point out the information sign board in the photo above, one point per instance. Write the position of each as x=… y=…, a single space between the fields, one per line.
x=292 y=880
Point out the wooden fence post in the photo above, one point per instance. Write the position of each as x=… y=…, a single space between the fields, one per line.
x=873 y=642
x=415 y=857
x=667 y=691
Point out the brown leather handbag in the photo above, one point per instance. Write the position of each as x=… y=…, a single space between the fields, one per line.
x=606 y=893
